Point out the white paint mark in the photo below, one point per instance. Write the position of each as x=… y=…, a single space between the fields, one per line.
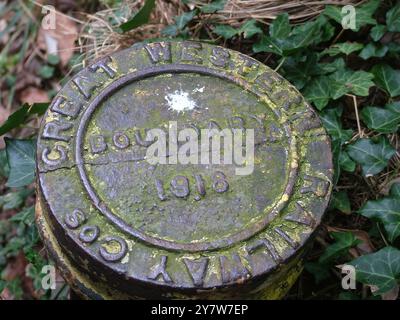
x=180 y=101
x=198 y=90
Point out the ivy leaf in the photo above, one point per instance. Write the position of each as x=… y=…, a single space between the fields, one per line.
x=32 y=237
x=13 y=246
x=387 y=211
x=319 y=92
x=20 y=116
x=343 y=242
x=334 y=12
x=280 y=27
x=53 y=59
x=327 y=30
x=21 y=159
x=170 y=31
x=214 y=6
x=249 y=28
x=13 y=200
x=345 y=47
x=46 y=72
x=318 y=270
x=347 y=81
x=225 y=31
x=377 y=32
x=300 y=37
x=300 y=69
x=387 y=79
x=380 y=119
x=26 y=216
x=346 y=295
x=180 y=24
x=4 y=168
x=393 y=19
x=341 y=160
x=363 y=14
x=303 y=36
x=140 y=18
x=346 y=163
x=185 y=18
x=331 y=121
x=267 y=44
x=373 y=50
x=330 y=67
x=380 y=269
x=333 y=125
x=373 y=157
x=394 y=48
x=341 y=202
x=395 y=190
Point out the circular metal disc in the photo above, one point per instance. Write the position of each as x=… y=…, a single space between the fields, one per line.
x=174 y=225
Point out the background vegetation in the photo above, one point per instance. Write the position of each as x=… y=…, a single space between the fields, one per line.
x=351 y=76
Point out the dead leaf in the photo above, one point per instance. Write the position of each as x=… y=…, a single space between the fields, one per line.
x=3 y=26
x=61 y=39
x=33 y=95
x=26 y=79
x=6 y=295
x=4 y=113
x=388 y=185
x=364 y=247
x=15 y=268
x=391 y=294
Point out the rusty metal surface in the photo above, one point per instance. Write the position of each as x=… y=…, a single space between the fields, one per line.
x=180 y=230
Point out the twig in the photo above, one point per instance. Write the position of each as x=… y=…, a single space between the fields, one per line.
x=356 y=112
x=337 y=37
x=381 y=234
x=280 y=64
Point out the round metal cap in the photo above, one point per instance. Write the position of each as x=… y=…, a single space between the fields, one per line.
x=135 y=198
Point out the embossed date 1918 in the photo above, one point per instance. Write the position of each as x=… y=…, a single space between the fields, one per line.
x=180 y=188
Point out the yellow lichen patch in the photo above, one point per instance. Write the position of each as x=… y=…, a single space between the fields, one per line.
x=112 y=247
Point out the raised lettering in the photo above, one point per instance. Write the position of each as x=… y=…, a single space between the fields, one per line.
x=159 y=51
x=315 y=185
x=232 y=269
x=65 y=108
x=111 y=253
x=159 y=270
x=52 y=130
x=294 y=244
x=197 y=269
x=247 y=65
x=89 y=234
x=220 y=57
x=121 y=140
x=268 y=245
x=59 y=150
x=97 y=144
x=74 y=219
x=103 y=65
x=190 y=52
x=84 y=86
x=299 y=215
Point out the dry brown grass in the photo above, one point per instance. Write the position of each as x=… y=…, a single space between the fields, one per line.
x=98 y=36
x=266 y=10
